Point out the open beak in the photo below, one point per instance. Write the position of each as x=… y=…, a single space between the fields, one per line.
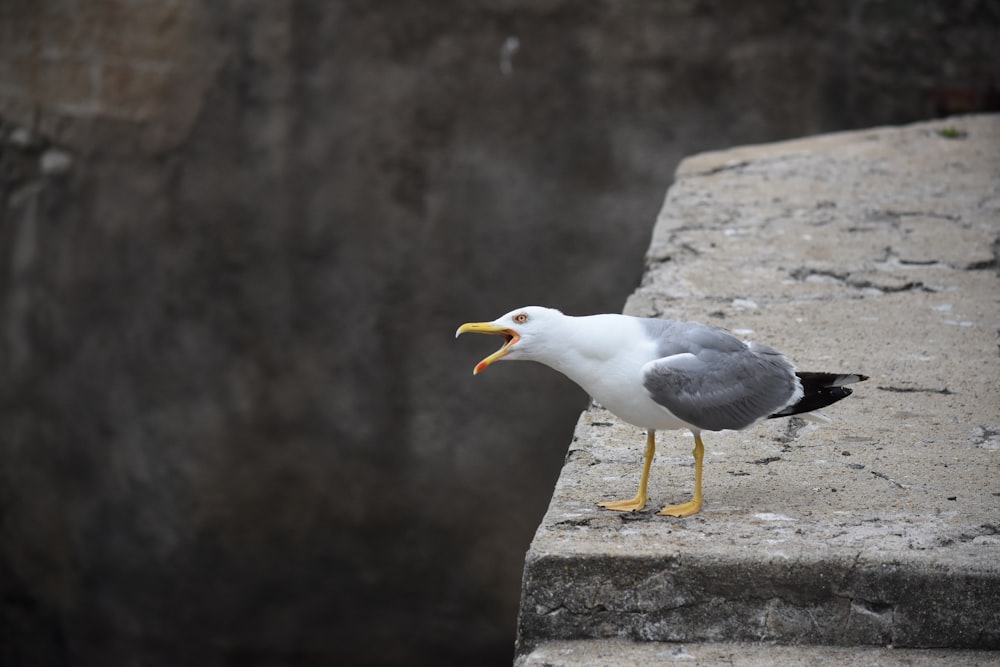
x=510 y=337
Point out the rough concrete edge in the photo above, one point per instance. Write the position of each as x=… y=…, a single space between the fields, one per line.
x=712 y=162
x=834 y=601
x=620 y=652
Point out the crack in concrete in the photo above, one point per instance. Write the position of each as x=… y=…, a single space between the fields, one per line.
x=988 y=264
x=734 y=166
x=893 y=216
x=915 y=390
x=882 y=475
x=890 y=289
x=803 y=273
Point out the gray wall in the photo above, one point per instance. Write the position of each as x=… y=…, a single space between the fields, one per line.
x=236 y=428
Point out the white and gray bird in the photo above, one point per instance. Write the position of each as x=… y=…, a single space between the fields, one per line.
x=661 y=374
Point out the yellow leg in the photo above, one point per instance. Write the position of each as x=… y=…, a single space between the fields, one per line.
x=637 y=503
x=692 y=506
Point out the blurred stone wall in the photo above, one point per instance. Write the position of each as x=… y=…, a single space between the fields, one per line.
x=237 y=238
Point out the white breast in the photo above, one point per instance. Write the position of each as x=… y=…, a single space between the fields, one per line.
x=604 y=354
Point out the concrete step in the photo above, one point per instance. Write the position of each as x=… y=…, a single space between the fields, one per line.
x=623 y=653
x=871 y=252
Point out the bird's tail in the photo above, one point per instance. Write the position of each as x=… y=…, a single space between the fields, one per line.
x=820 y=390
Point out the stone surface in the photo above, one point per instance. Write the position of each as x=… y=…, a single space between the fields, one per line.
x=621 y=653
x=107 y=73
x=871 y=252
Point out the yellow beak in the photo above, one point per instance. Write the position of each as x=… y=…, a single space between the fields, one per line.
x=510 y=336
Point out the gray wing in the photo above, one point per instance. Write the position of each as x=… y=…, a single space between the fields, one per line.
x=715 y=381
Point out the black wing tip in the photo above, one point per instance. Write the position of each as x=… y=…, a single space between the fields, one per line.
x=824 y=379
x=820 y=390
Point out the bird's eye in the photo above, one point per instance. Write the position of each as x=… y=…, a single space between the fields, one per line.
x=521 y=318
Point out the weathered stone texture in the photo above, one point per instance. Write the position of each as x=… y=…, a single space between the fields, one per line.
x=85 y=73
x=623 y=653
x=871 y=252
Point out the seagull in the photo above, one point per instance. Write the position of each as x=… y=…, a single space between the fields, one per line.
x=661 y=374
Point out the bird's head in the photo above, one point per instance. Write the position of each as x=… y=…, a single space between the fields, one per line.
x=524 y=331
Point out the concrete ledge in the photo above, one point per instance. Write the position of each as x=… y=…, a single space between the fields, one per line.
x=872 y=252
x=621 y=653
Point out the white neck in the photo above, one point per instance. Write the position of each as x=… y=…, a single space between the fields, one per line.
x=591 y=350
